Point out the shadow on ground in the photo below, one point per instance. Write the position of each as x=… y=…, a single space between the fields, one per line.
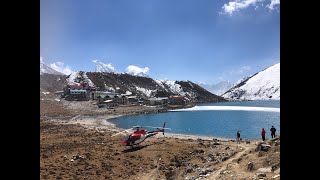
x=136 y=148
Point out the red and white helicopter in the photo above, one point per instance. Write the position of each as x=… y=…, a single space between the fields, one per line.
x=139 y=134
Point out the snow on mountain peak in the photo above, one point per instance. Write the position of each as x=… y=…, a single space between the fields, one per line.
x=172 y=85
x=46 y=69
x=241 y=80
x=261 y=86
x=101 y=67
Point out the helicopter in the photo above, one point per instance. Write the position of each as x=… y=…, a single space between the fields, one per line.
x=139 y=134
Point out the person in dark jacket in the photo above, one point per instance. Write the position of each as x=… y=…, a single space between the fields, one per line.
x=238 y=137
x=273 y=132
x=263 y=134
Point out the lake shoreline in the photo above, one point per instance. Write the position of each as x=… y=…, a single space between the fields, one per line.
x=224 y=126
x=103 y=120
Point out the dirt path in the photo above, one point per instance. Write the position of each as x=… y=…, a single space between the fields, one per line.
x=224 y=164
x=149 y=176
x=152 y=174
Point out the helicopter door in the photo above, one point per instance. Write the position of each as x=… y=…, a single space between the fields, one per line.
x=136 y=138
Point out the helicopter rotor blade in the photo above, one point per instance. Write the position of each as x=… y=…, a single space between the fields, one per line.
x=157 y=127
x=137 y=126
x=121 y=132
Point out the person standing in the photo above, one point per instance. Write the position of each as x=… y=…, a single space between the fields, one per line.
x=273 y=132
x=263 y=134
x=238 y=137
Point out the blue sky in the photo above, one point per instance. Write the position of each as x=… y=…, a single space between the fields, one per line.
x=202 y=41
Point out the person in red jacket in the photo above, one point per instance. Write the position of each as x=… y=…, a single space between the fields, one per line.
x=263 y=134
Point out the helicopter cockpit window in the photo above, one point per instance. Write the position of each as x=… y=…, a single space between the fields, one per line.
x=128 y=138
x=136 y=137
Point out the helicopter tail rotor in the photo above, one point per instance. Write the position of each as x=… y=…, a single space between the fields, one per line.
x=164 y=125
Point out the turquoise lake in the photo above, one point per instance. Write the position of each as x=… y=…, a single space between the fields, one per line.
x=222 y=123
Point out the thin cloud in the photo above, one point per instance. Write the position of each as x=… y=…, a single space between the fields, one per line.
x=220 y=78
x=273 y=3
x=135 y=70
x=202 y=82
x=41 y=60
x=244 y=69
x=236 y=5
x=241 y=70
x=60 y=67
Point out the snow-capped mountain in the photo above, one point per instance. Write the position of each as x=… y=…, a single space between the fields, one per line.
x=218 y=88
x=240 y=81
x=143 y=87
x=263 y=85
x=46 y=69
x=101 y=67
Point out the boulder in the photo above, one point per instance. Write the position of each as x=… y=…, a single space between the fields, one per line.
x=189 y=170
x=190 y=178
x=264 y=170
x=261 y=175
x=263 y=147
x=250 y=166
x=206 y=171
x=276 y=176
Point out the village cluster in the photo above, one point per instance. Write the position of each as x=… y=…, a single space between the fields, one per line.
x=84 y=92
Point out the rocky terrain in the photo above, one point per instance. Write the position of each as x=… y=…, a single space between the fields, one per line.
x=51 y=83
x=76 y=143
x=146 y=87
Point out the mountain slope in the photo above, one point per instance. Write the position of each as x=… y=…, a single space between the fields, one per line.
x=52 y=82
x=263 y=85
x=48 y=70
x=50 y=79
x=143 y=87
x=218 y=89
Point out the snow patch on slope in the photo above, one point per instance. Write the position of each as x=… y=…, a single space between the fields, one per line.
x=72 y=80
x=145 y=91
x=88 y=80
x=175 y=88
x=264 y=85
x=160 y=83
